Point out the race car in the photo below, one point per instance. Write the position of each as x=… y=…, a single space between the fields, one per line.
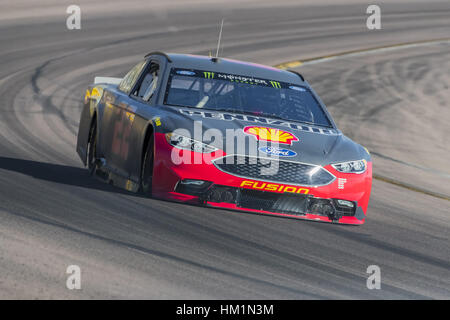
x=223 y=133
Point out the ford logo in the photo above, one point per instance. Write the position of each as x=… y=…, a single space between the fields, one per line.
x=273 y=151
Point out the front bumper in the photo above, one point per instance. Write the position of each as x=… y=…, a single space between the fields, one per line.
x=183 y=182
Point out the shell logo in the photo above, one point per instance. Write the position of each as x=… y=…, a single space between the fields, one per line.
x=271 y=134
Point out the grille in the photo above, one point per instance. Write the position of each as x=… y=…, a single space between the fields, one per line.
x=274 y=170
x=288 y=203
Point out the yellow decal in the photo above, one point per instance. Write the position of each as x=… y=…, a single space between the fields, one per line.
x=271 y=134
x=275 y=84
x=87 y=96
x=130 y=116
x=96 y=93
x=209 y=75
x=158 y=121
x=275 y=187
x=129 y=185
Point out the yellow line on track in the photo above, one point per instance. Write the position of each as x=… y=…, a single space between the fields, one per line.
x=298 y=63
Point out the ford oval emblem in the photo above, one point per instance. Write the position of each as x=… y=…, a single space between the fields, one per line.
x=273 y=151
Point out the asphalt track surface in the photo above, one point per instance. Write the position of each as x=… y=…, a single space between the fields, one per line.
x=53 y=215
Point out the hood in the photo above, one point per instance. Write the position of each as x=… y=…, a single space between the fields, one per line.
x=261 y=136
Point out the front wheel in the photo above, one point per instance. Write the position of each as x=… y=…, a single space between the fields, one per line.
x=147 y=169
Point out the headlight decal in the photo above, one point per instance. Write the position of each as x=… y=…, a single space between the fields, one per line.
x=356 y=166
x=186 y=143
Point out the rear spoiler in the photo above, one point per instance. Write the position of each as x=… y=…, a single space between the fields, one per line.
x=107 y=80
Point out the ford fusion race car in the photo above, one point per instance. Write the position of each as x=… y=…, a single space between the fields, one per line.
x=223 y=133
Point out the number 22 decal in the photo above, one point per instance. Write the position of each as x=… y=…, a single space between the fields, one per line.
x=121 y=134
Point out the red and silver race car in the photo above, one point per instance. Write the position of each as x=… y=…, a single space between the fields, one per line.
x=224 y=133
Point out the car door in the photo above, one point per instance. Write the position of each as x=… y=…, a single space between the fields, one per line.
x=117 y=122
x=138 y=112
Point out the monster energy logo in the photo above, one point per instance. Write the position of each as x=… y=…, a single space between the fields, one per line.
x=275 y=84
x=209 y=75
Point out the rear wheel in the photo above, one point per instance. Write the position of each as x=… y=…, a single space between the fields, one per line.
x=92 y=148
x=147 y=169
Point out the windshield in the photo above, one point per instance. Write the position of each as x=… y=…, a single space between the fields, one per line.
x=243 y=94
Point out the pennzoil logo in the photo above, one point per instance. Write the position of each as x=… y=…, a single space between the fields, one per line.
x=271 y=134
x=208 y=75
x=275 y=84
x=275 y=187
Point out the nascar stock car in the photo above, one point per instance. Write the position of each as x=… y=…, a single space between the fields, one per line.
x=223 y=133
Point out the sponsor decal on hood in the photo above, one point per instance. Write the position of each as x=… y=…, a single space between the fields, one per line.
x=273 y=151
x=271 y=134
x=211 y=114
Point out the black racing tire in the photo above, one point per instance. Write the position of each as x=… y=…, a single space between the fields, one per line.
x=92 y=148
x=147 y=169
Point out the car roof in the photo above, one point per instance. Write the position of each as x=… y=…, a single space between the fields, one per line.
x=231 y=66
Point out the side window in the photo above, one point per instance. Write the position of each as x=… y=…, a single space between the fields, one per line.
x=149 y=83
x=130 y=78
